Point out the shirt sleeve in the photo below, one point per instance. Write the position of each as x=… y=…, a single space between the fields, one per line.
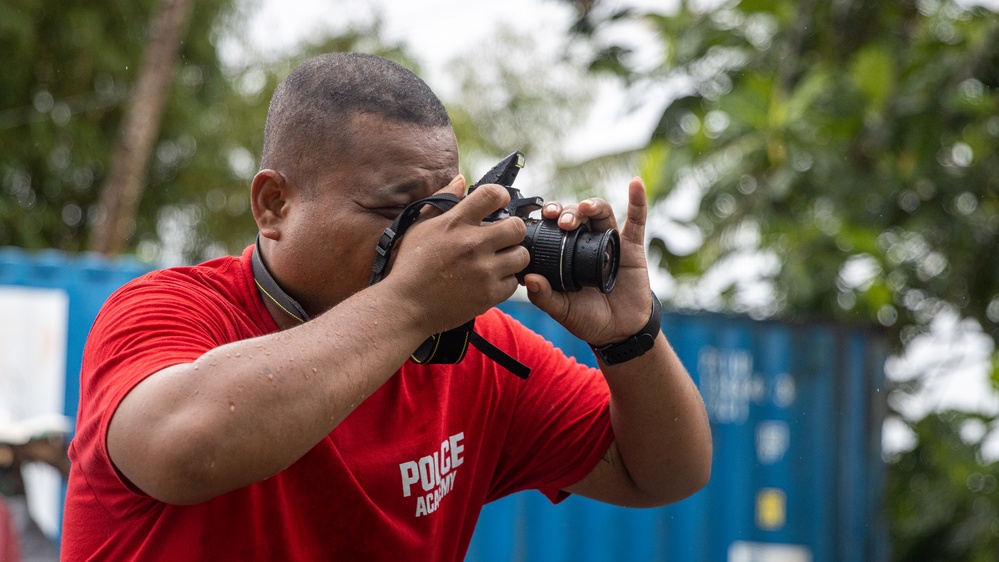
x=561 y=423
x=141 y=331
x=142 y=328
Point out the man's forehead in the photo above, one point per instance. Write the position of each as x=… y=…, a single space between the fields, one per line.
x=407 y=181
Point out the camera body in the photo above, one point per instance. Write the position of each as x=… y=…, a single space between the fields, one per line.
x=568 y=259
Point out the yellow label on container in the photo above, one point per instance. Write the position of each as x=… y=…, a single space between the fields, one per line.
x=771 y=509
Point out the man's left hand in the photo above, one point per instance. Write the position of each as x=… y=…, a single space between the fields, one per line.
x=597 y=318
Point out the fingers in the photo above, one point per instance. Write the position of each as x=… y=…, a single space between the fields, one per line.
x=480 y=203
x=600 y=215
x=512 y=260
x=595 y=211
x=507 y=232
x=462 y=232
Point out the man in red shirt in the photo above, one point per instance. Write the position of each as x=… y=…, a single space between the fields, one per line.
x=269 y=411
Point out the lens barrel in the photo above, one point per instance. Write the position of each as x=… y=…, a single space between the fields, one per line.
x=572 y=259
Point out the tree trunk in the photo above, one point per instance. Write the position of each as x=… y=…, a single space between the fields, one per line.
x=126 y=178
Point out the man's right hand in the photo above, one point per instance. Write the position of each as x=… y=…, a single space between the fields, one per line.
x=456 y=265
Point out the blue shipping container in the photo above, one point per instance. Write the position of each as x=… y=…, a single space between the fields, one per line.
x=796 y=412
x=87 y=280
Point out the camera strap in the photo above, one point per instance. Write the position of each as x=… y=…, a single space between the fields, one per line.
x=442 y=202
x=445 y=347
x=270 y=289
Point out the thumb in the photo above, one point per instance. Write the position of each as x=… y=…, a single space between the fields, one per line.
x=456 y=187
x=541 y=294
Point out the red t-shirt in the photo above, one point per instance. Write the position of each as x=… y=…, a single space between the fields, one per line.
x=403 y=477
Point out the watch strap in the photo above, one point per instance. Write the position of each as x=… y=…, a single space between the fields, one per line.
x=636 y=345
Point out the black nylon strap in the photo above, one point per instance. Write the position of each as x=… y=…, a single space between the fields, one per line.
x=498 y=355
x=446 y=347
x=442 y=202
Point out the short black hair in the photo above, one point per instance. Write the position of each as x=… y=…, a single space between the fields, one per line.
x=312 y=108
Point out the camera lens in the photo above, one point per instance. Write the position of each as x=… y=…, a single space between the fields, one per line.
x=571 y=260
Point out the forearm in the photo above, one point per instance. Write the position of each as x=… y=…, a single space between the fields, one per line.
x=660 y=425
x=247 y=410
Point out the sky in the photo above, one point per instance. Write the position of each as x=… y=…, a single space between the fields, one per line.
x=437 y=31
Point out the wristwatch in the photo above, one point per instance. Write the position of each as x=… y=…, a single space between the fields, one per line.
x=636 y=345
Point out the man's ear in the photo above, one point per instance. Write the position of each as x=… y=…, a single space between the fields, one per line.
x=269 y=196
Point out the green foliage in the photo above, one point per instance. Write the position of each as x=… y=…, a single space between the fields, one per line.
x=62 y=102
x=836 y=134
x=942 y=496
x=61 y=105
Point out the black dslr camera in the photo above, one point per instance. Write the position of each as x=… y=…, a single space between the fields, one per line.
x=569 y=260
